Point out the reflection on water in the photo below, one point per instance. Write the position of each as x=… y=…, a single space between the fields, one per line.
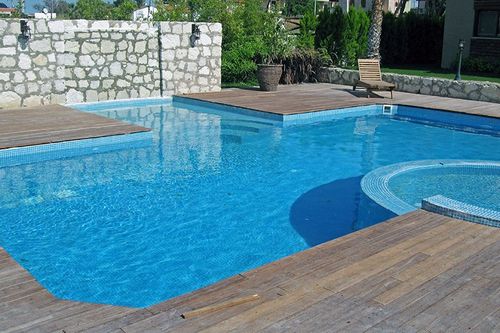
x=215 y=194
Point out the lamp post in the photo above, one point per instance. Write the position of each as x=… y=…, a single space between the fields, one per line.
x=461 y=45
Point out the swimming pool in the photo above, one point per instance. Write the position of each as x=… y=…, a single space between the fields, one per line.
x=401 y=187
x=211 y=195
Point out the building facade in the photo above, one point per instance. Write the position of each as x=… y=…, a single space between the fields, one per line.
x=477 y=22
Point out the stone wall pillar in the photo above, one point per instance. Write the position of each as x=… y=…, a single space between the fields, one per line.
x=189 y=69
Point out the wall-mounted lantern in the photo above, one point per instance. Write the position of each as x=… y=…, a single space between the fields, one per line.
x=25 y=30
x=461 y=45
x=195 y=34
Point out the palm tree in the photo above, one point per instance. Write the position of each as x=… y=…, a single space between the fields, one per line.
x=375 y=31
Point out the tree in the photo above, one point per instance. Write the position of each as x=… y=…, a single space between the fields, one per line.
x=375 y=32
x=19 y=12
x=91 y=10
x=124 y=10
x=174 y=10
x=138 y=3
x=307 y=26
x=298 y=7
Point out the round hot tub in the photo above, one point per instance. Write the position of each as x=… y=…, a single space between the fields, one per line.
x=402 y=187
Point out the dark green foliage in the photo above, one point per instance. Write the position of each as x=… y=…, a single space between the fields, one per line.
x=124 y=10
x=355 y=36
x=303 y=64
x=411 y=39
x=329 y=32
x=307 y=26
x=298 y=7
x=344 y=36
x=238 y=63
x=241 y=41
x=475 y=65
x=91 y=10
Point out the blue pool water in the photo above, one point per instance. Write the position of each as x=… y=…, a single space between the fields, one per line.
x=476 y=186
x=213 y=195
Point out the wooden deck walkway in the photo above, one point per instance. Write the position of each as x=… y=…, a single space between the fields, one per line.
x=303 y=98
x=416 y=272
x=55 y=123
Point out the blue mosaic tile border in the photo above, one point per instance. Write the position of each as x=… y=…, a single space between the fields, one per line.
x=318 y=116
x=51 y=151
x=452 y=120
x=375 y=184
x=433 y=117
x=119 y=104
x=283 y=120
x=460 y=210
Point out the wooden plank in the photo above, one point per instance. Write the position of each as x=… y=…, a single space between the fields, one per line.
x=331 y=287
x=219 y=306
x=55 y=123
x=296 y=99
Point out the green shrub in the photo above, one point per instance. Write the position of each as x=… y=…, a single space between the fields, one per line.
x=329 y=33
x=307 y=26
x=355 y=37
x=238 y=63
x=303 y=64
x=274 y=39
x=123 y=10
x=91 y=10
x=476 y=65
x=411 y=39
x=344 y=36
x=298 y=7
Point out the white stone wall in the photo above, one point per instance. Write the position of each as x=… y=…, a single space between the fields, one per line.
x=191 y=69
x=86 y=61
x=31 y=73
x=473 y=90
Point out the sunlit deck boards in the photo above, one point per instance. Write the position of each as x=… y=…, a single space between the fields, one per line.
x=55 y=123
x=303 y=98
x=419 y=271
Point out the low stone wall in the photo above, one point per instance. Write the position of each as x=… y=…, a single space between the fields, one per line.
x=473 y=90
x=85 y=61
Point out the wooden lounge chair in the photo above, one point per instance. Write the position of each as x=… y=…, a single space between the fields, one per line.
x=370 y=77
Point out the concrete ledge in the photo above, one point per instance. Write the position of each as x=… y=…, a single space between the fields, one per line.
x=472 y=90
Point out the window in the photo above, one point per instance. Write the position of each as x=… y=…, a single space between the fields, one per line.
x=488 y=24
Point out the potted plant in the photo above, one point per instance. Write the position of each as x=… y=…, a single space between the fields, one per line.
x=275 y=47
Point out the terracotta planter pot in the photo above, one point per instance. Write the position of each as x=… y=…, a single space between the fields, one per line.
x=269 y=76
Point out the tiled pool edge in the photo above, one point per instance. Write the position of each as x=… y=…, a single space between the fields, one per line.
x=285 y=119
x=481 y=124
x=460 y=210
x=43 y=152
x=375 y=185
x=118 y=104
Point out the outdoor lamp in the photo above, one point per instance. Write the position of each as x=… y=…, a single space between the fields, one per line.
x=461 y=45
x=25 y=29
x=195 y=34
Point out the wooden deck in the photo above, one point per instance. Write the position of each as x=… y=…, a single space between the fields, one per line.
x=303 y=98
x=55 y=123
x=416 y=272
